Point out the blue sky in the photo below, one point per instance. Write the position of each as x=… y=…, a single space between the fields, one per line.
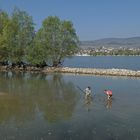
x=92 y=19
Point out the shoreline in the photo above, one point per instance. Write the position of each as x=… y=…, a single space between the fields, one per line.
x=91 y=71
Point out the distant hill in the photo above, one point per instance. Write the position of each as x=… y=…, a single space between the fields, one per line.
x=133 y=42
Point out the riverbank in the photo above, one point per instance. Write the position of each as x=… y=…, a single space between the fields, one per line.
x=92 y=71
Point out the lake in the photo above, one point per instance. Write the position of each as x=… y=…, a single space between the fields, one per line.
x=121 y=62
x=52 y=107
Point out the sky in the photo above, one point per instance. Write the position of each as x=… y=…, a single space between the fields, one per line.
x=92 y=19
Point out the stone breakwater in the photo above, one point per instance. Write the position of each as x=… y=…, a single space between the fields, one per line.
x=92 y=71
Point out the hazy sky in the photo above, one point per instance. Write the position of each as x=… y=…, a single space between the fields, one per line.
x=92 y=19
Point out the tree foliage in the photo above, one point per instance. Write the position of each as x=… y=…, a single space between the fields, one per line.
x=16 y=35
x=19 y=42
x=55 y=40
x=24 y=34
x=4 y=20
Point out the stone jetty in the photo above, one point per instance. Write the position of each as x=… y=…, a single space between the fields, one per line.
x=93 y=71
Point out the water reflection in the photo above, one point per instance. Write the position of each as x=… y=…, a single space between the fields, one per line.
x=25 y=95
x=88 y=103
x=108 y=103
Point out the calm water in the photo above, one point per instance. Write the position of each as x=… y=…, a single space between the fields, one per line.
x=123 y=62
x=51 y=107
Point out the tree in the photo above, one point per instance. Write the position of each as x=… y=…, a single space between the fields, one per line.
x=9 y=42
x=55 y=40
x=4 y=20
x=24 y=34
x=37 y=54
x=16 y=35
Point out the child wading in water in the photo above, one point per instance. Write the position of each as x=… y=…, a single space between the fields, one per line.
x=108 y=93
x=87 y=92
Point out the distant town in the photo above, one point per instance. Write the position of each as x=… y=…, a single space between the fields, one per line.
x=110 y=46
x=108 y=51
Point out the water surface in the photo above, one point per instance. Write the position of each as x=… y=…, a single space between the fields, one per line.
x=52 y=107
x=120 y=62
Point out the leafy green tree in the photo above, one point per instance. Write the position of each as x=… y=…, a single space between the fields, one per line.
x=16 y=35
x=4 y=20
x=37 y=53
x=24 y=34
x=55 y=40
x=9 y=38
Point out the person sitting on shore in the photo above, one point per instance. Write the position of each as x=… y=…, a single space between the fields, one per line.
x=108 y=93
x=88 y=92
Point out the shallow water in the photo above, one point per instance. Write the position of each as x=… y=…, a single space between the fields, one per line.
x=52 y=107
